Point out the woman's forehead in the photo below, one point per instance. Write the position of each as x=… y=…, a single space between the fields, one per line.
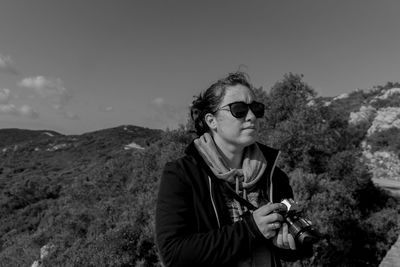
x=237 y=93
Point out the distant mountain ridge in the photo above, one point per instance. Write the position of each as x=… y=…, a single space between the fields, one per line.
x=13 y=136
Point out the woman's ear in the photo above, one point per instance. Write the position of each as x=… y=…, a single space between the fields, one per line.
x=211 y=121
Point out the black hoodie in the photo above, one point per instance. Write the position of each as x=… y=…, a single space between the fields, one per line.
x=193 y=226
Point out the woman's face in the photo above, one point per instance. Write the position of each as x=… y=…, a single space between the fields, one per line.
x=231 y=131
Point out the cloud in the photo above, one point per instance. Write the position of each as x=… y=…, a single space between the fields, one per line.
x=159 y=101
x=8 y=109
x=106 y=108
x=165 y=115
x=24 y=110
x=28 y=111
x=70 y=115
x=7 y=65
x=51 y=89
x=4 y=96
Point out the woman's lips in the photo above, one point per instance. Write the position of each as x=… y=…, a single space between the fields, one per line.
x=250 y=128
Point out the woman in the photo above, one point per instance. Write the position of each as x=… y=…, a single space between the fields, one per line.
x=219 y=204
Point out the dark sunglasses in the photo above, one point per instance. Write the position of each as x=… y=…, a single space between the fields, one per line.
x=240 y=109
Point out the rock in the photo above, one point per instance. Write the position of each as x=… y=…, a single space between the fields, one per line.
x=48 y=134
x=382 y=164
x=389 y=93
x=46 y=250
x=386 y=118
x=311 y=103
x=342 y=96
x=132 y=146
x=365 y=114
x=57 y=147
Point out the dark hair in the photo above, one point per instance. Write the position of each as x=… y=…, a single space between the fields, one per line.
x=209 y=100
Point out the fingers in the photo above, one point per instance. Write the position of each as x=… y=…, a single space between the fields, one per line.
x=267 y=229
x=267 y=213
x=284 y=239
x=268 y=221
x=274 y=226
x=269 y=234
x=292 y=243
x=273 y=218
x=269 y=208
x=279 y=238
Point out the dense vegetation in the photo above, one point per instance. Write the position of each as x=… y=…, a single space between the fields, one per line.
x=94 y=201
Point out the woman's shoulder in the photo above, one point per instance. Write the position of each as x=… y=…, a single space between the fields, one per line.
x=181 y=165
x=184 y=172
x=182 y=161
x=187 y=161
x=269 y=151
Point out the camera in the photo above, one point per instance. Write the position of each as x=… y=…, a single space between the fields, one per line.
x=299 y=227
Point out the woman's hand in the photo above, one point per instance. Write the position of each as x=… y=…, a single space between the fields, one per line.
x=284 y=239
x=268 y=221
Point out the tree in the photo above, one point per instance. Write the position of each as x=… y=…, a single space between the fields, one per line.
x=321 y=153
x=287 y=97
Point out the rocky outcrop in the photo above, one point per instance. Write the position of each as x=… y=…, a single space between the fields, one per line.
x=389 y=93
x=386 y=118
x=365 y=115
x=382 y=164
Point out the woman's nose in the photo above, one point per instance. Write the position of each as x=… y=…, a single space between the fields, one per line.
x=250 y=116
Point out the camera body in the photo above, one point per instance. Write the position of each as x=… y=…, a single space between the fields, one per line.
x=299 y=227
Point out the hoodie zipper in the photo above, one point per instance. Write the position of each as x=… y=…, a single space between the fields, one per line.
x=213 y=203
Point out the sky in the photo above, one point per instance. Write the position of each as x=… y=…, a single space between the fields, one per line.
x=79 y=66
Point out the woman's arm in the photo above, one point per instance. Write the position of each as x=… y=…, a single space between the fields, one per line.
x=179 y=244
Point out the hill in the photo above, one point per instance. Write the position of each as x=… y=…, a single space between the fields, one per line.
x=377 y=112
x=49 y=182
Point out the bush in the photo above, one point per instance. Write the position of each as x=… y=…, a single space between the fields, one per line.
x=386 y=140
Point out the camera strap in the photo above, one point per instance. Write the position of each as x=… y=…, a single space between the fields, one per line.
x=241 y=200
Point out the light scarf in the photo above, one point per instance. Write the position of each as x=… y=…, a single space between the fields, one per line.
x=253 y=164
x=244 y=180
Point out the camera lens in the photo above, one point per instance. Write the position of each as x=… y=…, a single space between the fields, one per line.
x=306 y=238
x=301 y=230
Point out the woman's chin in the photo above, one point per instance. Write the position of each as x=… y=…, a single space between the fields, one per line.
x=248 y=140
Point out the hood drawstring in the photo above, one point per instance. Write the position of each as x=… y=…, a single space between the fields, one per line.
x=244 y=195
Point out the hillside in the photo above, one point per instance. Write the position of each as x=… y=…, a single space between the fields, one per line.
x=377 y=111
x=45 y=179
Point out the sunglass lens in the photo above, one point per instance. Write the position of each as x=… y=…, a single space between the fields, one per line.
x=258 y=109
x=239 y=109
